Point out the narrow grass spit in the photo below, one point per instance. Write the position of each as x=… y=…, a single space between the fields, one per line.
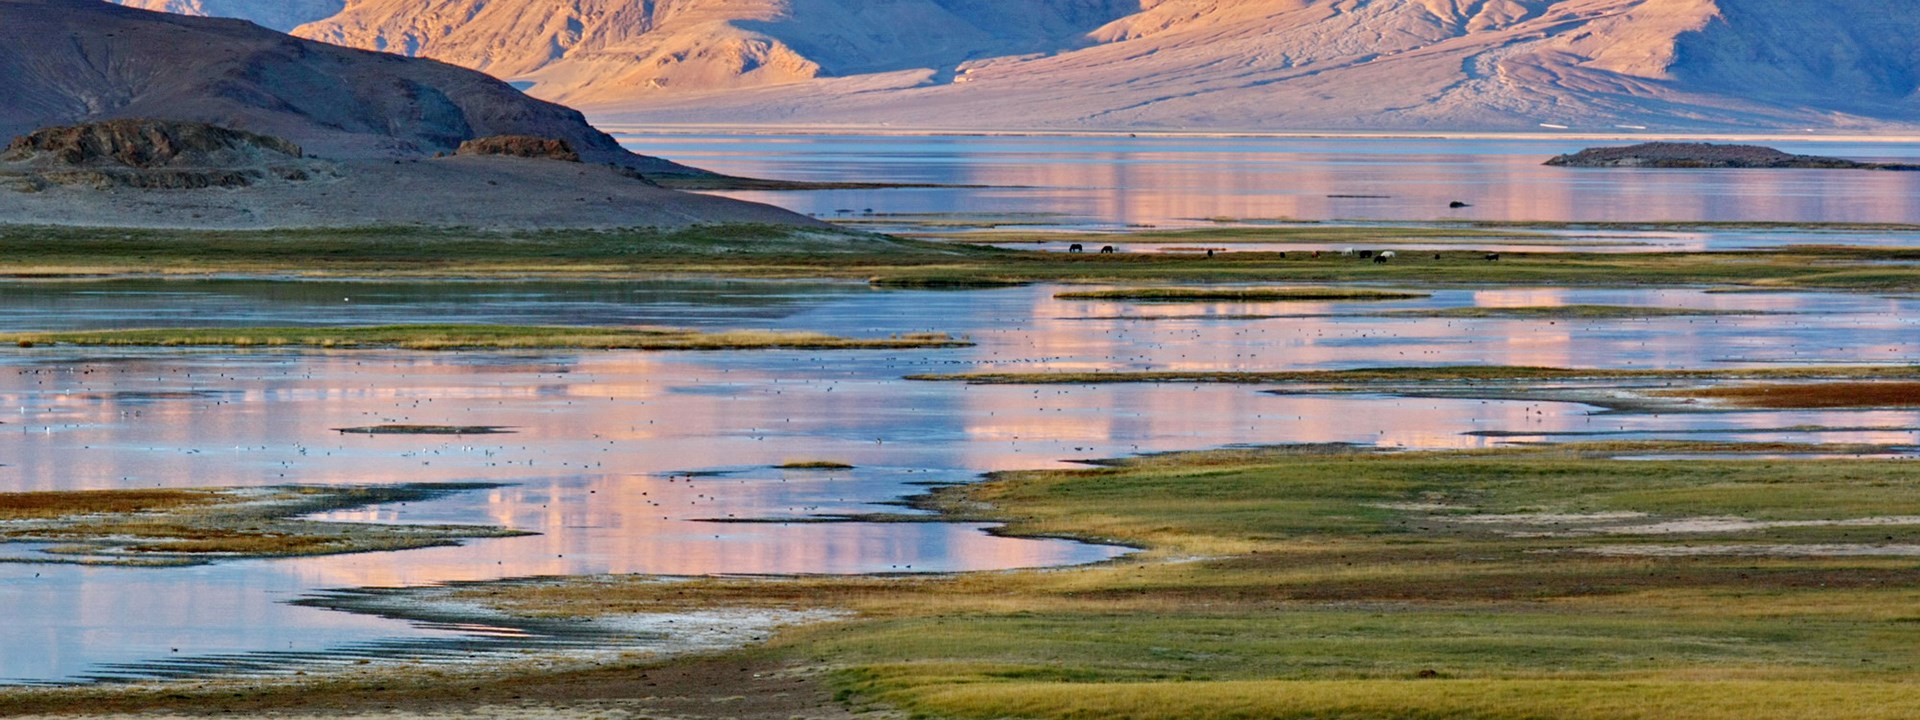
x=481 y=337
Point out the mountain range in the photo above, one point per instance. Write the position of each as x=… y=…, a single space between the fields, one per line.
x=1665 y=65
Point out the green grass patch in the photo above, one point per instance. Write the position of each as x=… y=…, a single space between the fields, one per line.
x=1336 y=581
x=477 y=337
x=778 y=252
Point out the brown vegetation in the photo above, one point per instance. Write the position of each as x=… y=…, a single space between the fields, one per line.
x=1796 y=396
x=521 y=146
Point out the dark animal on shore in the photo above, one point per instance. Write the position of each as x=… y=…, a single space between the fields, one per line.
x=1491 y=257
x=1210 y=252
x=1436 y=256
x=1283 y=256
x=1457 y=205
x=1366 y=254
x=1106 y=250
x=1379 y=259
x=1075 y=248
x=1316 y=253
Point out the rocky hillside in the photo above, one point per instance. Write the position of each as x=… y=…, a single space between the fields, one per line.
x=1232 y=64
x=71 y=61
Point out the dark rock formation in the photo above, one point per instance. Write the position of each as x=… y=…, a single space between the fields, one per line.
x=154 y=154
x=144 y=143
x=70 y=61
x=1708 y=155
x=523 y=146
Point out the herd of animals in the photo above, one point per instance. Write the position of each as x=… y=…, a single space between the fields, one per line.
x=1381 y=257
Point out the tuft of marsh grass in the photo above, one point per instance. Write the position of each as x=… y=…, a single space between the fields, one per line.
x=814 y=465
x=424 y=430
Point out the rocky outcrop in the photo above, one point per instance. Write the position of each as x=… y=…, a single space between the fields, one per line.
x=146 y=143
x=71 y=61
x=522 y=146
x=1708 y=155
x=152 y=154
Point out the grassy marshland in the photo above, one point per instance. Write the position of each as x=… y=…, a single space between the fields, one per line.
x=759 y=251
x=478 y=337
x=189 y=526
x=1316 y=582
x=1307 y=582
x=1442 y=373
x=1240 y=294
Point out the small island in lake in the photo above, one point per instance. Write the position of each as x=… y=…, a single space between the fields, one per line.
x=1709 y=155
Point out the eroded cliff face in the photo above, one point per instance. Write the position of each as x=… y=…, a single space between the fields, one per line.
x=1236 y=64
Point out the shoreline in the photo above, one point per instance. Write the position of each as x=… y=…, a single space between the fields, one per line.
x=625 y=130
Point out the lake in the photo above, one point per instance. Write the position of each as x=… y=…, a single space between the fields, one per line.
x=622 y=461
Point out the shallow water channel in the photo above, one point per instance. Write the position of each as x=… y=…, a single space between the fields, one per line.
x=622 y=460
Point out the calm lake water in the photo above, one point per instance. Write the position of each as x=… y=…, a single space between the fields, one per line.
x=620 y=460
x=1174 y=181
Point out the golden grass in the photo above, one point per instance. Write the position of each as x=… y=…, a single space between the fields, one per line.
x=1650 y=699
x=58 y=504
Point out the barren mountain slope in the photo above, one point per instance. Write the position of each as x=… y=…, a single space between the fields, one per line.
x=611 y=50
x=67 y=61
x=1236 y=64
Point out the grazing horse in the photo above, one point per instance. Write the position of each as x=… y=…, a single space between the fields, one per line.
x=1493 y=257
x=1106 y=250
x=1380 y=259
x=1075 y=248
x=1388 y=254
x=1364 y=254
